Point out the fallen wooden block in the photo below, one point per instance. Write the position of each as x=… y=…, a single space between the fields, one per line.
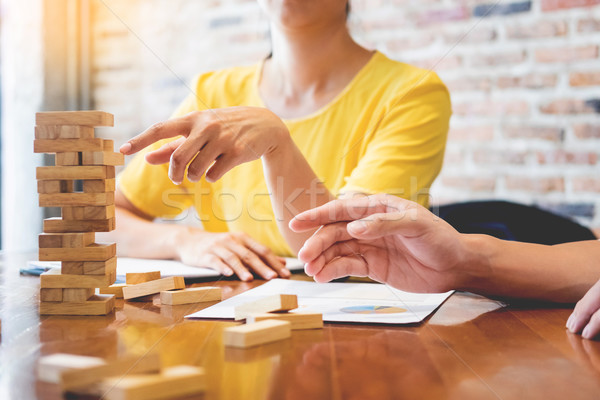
x=85 y=118
x=84 y=376
x=278 y=302
x=100 y=304
x=54 y=279
x=56 y=186
x=102 y=158
x=70 y=158
x=58 y=225
x=51 y=367
x=51 y=294
x=99 y=185
x=75 y=295
x=248 y=335
x=79 y=172
x=153 y=287
x=76 y=199
x=191 y=295
x=66 y=239
x=133 y=278
x=66 y=145
x=171 y=382
x=115 y=289
x=93 y=252
x=298 y=320
x=64 y=132
x=88 y=212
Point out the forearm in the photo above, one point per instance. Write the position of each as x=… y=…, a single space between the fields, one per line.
x=294 y=187
x=560 y=273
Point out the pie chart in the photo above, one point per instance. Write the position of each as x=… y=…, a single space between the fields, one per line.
x=373 y=310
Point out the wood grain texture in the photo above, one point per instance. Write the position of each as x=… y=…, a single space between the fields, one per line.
x=71 y=158
x=51 y=367
x=64 y=132
x=76 y=199
x=249 y=335
x=51 y=294
x=93 y=252
x=100 y=304
x=75 y=172
x=153 y=287
x=54 y=279
x=103 y=158
x=115 y=289
x=55 y=186
x=66 y=145
x=77 y=295
x=191 y=295
x=55 y=240
x=71 y=267
x=99 y=185
x=278 y=302
x=298 y=320
x=59 y=225
x=88 y=212
x=85 y=118
x=133 y=278
x=108 y=267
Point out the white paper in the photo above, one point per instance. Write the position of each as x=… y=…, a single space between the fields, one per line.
x=339 y=302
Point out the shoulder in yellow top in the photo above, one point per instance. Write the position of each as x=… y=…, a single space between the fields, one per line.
x=384 y=133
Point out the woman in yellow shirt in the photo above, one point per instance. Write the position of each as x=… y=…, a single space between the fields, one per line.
x=321 y=118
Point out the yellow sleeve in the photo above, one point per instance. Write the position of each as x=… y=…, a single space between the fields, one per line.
x=405 y=152
x=148 y=187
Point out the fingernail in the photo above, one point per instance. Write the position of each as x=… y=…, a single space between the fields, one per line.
x=570 y=323
x=126 y=148
x=586 y=332
x=247 y=277
x=286 y=273
x=271 y=275
x=358 y=226
x=227 y=272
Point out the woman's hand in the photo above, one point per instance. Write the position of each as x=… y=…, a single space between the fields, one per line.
x=212 y=142
x=586 y=315
x=388 y=239
x=229 y=253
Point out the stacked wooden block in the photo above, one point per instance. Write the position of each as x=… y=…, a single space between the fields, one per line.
x=85 y=265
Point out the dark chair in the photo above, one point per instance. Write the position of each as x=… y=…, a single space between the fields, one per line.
x=511 y=221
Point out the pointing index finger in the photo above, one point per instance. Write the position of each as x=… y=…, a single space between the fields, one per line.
x=158 y=131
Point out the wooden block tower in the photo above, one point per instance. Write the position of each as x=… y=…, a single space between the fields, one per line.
x=85 y=265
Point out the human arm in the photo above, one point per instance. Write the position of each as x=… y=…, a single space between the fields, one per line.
x=400 y=243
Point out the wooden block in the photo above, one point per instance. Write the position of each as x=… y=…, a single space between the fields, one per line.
x=64 y=132
x=79 y=377
x=75 y=172
x=54 y=279
x=93 y=252
x=55 y=186
x=71 y=267
x=85 y=118
x=71 y=158
x=51 y=367
x=66 y=239
x=278 y=302
x=51 y=295
x=103 y=158
x=99 y=185
x=58 y=225
x=66 y=145
x=76 y=199
x=108 y=267
x=88 y=212
x=108 y=145
x=116 y=290
x=133 y=278
x=248 y=335
x=191 y=295
x=298 y=320
x=153 y=287
x=99 y=304
x=171 y=382
x=77 y=295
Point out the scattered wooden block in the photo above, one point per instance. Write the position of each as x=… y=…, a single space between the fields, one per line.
x=66 y=239
x=51 y=367
x=133 y=278
x=191 y=295
x=278 y=302
x=298 y=320
x=75 y=172
x=54 y=279
x=58 y=225
x=55 y=186
x=108 y=267
x=103 y=158
x=93 y=252
x=51 y=294
x=116 y=290
x=171 y=382
x=64 y=132
x=84 y=376
x=85 y=118
x=76 y=199
x=153 y=287
x=66 y=145
x=248 y=335
x=88 y=212
x=100 y=304
x=71 y=158
x=77 y=295
x=99 y=185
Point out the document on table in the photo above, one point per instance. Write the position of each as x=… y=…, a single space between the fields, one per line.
x=166 y=267
x=371 y=303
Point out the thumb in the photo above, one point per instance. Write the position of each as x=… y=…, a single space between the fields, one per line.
x=379 y=225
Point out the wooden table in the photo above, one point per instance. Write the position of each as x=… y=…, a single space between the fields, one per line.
x=472 y=348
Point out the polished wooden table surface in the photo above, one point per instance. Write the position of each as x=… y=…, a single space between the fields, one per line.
x=472 y=348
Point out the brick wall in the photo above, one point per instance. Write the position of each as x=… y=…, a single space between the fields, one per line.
x=524 y=78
